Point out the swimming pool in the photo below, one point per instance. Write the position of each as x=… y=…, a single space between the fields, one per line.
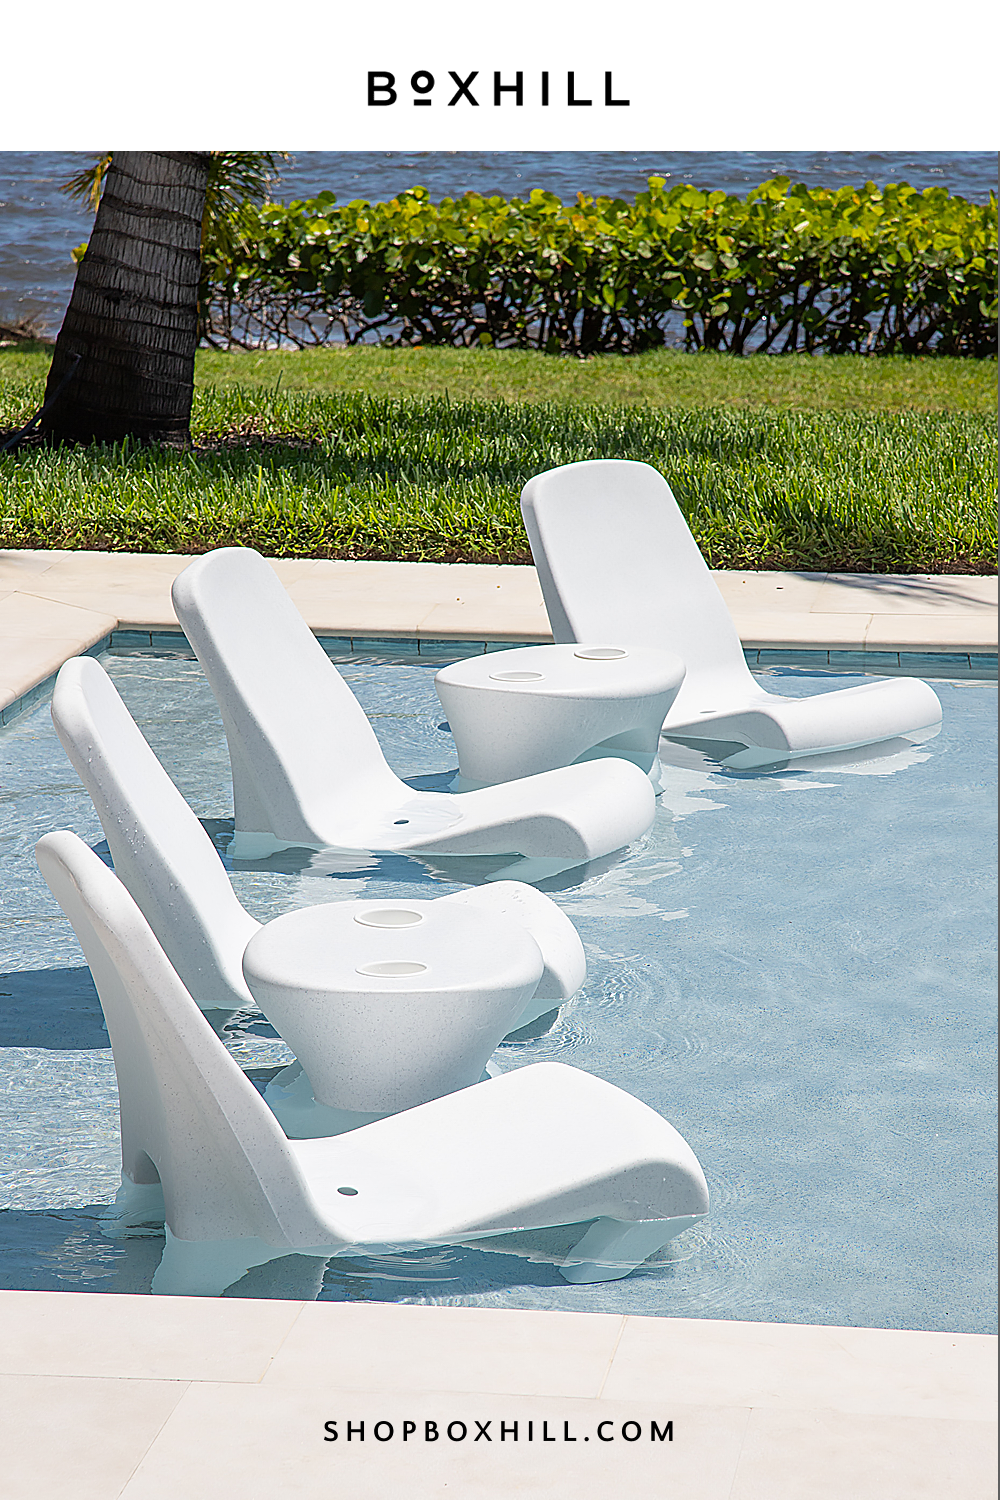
x=795 y=968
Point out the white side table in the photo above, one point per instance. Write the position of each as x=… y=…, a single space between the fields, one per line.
x=515 y=713
x=388 y=1004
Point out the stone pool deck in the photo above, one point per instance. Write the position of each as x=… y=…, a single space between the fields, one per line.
x=106 y=1396
x=54 y=605
x=154 y=1398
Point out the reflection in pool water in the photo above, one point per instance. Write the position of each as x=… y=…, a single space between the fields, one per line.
x=801 y=984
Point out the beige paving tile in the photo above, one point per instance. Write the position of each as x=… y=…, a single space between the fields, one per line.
x=148 y=1338
x=79 y=1439
x=386 y=616
x=364 y=579
x=134 y=608
x=382 y=598
x=957 y=1371
x=793 y=1367
x=80 y=560
x=25 y=662
x=399 y=1348
x=931 y=632
x=486 y=621
x=15 y=562
x=101 y=569
x=259 y=1442
x=291 y=570
x=498 y=603
x=902 y=594
x=777 y=631
x=83 y=570
x=797 y=592
x=515 y=584
x=832 y=1456
x=460 y=601
x=340 y=598
x=29 y=616
x=107 y=571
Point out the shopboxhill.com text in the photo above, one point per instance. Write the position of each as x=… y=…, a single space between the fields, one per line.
x=492 y=1430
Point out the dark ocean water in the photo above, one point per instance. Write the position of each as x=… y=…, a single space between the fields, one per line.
x=39 y=225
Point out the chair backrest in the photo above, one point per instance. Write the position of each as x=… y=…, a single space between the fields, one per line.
x=617 y=563
x=295 y=729
x=188 y=1113
x=160 y=850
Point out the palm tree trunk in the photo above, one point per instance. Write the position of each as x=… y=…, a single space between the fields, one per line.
x=128 y=340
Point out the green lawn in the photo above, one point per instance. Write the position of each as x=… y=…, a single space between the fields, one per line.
x=353 y=471
x=664 y=378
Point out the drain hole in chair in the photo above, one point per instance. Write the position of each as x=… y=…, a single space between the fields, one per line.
x=398 y=822
x=348 y=1192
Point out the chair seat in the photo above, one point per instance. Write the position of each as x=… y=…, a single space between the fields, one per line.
x=545 y=1144
x=839 y=720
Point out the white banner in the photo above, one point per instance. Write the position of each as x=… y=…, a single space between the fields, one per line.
x=439 y=75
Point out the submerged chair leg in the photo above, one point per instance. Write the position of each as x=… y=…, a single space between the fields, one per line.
x=611 y=1248
x=137 y=1210
x=205 y=1268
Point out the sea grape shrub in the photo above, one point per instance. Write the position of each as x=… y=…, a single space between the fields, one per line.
x=787 y=268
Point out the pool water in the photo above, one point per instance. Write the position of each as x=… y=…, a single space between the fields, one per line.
x=795 y=968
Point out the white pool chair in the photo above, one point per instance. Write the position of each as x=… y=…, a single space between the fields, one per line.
x=309 y=771
x=616 y=560
x=541 y=1146
x=170 y=865
x=160 y=850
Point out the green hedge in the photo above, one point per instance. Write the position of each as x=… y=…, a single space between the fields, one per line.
x=856 y=270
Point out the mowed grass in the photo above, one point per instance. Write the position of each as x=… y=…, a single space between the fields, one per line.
x=299 y=473
x=662 y=378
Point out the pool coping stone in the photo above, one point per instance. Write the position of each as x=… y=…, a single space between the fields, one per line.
x=230 y=1395
x=58 y=604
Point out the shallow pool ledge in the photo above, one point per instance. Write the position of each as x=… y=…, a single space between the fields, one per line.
x=56 y=604
x=137 y=1396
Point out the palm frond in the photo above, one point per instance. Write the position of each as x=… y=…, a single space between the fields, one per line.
x=87 y=185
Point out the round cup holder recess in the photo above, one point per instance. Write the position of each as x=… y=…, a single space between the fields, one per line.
x=394 y=968
x=389 y=916
x=601 y=653
x=517 y=676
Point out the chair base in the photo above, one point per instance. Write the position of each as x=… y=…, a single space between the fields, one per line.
x=608 y=1251
x=205 y=1268
x=612 y=1248
x=137 y=1212
x=738 y=757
